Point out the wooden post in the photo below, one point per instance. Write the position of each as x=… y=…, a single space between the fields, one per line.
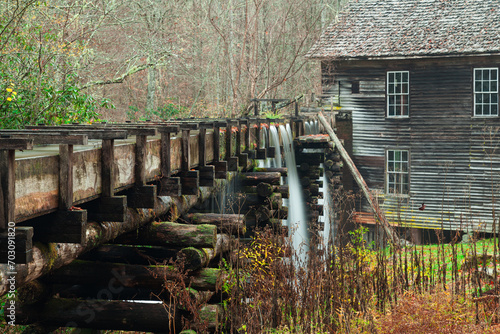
x=207 y=173
x=261 y=152
x=220 y=166
x=242 y=157
x=170 y=186
x=22 y=235
x=189 y=178
x=142 y=195
x=232 y=161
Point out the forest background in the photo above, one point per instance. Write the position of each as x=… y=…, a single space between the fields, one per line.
x=67 y=61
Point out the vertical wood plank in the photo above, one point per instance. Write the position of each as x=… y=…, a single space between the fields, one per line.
x=65 y=177
x=238 y=140
x=216 y=143
x=140 y=160
x=107 y=168
x=229 y=140
x=166 y=169
x=202 y=147
x=186 y=161
x=7 y=187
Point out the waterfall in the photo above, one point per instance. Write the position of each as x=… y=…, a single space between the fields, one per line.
x=275 y=141
x=328 y=231
x=263 y=144
x=307 y=128
x=297 y=223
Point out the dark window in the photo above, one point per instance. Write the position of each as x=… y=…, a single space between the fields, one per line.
x=398 y=92
x=397 y=169
x=355 y=87
x=486 y=92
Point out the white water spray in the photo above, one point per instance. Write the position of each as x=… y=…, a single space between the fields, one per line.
x=297 y=223
x=275 y=141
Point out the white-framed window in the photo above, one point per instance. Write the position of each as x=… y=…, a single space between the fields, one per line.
x=398 y=93
x=486 y=91
x=397 y=171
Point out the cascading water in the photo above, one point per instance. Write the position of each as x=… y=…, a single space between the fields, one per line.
x=263 y=144
x=275 y=141
x=307 y=128
x=328 y=230
x=297 y=223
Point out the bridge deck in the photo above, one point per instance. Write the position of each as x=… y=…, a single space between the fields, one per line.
x=37 y=179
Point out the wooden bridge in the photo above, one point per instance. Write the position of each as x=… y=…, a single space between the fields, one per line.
x=92 y=191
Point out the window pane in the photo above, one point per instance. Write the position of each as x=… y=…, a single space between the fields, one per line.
x=477 y=86
x=486 y=75
x=494 y=86
x=479 y=110
x=405 y=76
x=478 y=75
x=494 y=109
x=486 y=86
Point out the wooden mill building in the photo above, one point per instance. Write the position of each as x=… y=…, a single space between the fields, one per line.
x=420 y=81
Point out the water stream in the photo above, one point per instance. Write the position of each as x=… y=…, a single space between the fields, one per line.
x=297 y=223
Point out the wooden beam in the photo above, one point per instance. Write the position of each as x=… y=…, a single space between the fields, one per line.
x=7 y=188
x=23 y=248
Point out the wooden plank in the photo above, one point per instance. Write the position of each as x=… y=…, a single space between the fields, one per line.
x=207 y=176
x=202 y=135
x=166 y=168
x=107 y=168
x=142 y=197
x=140 y=160
x=65 y=177
x=185 y=155
x=50 y=138
x=190 y=182
x=7 y=188
x=221 y=170
x=110 y=209
x=23 y=247
x=63 y=227
x=16 y=144
x=90 y=133
x=170 y=186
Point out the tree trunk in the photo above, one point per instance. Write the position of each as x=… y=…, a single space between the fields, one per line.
x=47 y=257
x=226 y=223
x=104 y=314
x=172 y=234
x=253 y=179
x=116 y=275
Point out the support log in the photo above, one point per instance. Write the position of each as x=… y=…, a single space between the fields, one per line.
x=253 y=179
x=226 y=223
x=103 y=314
x=196 y=258
x=172 y=234
x=51 y=256
x=130 y=275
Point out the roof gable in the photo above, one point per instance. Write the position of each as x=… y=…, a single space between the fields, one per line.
x=400 y=28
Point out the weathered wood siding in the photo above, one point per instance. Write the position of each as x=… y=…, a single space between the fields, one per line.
x=454 y=157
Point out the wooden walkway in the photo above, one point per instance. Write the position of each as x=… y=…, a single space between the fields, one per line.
x=66 y=191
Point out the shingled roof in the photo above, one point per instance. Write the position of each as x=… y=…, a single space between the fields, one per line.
x=409 y=28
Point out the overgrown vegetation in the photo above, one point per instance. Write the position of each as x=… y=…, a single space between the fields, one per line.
x=352 y=288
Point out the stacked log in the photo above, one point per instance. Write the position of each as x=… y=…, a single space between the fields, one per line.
x=172 y=264
x=309 y=152
x=263 y=198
